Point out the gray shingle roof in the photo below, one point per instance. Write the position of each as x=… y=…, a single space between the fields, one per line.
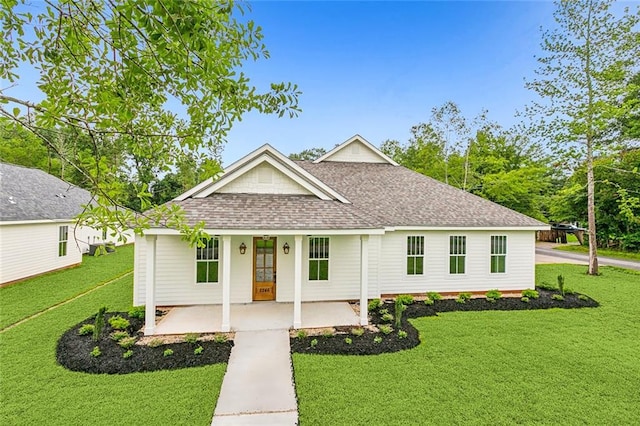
x=272 y=211
x=31 y=194
x=396 y=196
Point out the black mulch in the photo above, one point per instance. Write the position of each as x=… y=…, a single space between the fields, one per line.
x=365 y=344
x=74 y=351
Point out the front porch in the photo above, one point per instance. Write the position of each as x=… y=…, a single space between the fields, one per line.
x=255 y=316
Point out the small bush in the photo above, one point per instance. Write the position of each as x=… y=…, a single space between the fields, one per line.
x=568 y=290
x=86 y=329
x=96 y=352
x=525 y=299
x=402 y=334
x=359 y=331
x=466 y=296
x=557 y=297
x=374 y=304
x=198 y=350
x=119 y=335
x=583 y=297
x=405 y=299
x=154 y=343
x=493 y=295
x=301 y=334
x=428 y=302
x=220 y=338
x=99 y=323
x=119 y=323
x=561 y=283
x=530 y=293
x=433 y=295
x=348 y=340
x=191 y=337
x=328 y=332
x=127 y=354
x=387 y=317
x=383 y=311
x=377 y=339
x=546 y=286
x=385 y=329
x=127 y=342
x=314 y=343
x=136 y=312
x=400 y=308
x=167 y=352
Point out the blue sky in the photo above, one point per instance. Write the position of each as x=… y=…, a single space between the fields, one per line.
x=377 y=68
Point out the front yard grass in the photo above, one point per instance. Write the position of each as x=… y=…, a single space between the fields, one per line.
x=35 y=390
x=25 y=298
x=552 y=366
x=618 y=254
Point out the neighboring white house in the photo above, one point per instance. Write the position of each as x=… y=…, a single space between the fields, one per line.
x=352 y=225
x=38 y=232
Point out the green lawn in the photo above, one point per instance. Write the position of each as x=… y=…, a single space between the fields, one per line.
x=602 y=252
x=548 y=367
x=31 y=296
x=37 y=391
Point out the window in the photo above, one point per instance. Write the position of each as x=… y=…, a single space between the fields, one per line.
x=498 y=253
x=318 y=258
x=104 y=234
x=415 y=255
x=457 y=253
x=207 y=261
x=63 y=236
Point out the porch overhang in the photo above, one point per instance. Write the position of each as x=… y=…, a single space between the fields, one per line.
x=211 y=231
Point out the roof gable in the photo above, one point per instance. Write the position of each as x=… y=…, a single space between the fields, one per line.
x=356 y=150
x=253 y=167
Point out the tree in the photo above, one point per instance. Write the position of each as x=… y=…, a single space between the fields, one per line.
x=581 y=79
x=148 y=80
x=308 y=154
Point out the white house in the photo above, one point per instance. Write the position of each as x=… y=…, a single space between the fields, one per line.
x=351 y=225
x=38 y=232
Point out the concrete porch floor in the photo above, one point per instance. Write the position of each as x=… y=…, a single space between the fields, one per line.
x=255 y=316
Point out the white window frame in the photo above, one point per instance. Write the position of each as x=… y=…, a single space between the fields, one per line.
x=415 y=254
x=327 y=257
x=214 y=259
x=457 y=249
x=502 y=246
x=63 y=240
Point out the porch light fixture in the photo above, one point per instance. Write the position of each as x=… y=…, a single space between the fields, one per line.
x=285 y=248
x=243 y=248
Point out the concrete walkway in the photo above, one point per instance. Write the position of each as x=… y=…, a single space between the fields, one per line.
x=257 y=388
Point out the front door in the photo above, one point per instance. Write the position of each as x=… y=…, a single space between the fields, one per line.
x=264 y=268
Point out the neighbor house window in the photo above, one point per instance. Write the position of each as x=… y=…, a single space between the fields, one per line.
x=415 y=255
x=498 y=253
x=104 y=234
x=457 y=253
x=63 y=236
x=207 y=261
x=318 y=258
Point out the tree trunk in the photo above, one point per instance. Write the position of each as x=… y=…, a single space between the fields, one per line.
x=591 y=213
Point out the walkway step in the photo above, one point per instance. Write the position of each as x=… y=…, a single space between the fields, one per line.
x=258 y=385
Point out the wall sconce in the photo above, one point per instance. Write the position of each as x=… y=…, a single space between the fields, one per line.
x=285 y=248
x=243 y=248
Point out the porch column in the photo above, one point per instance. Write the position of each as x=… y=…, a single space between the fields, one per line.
x=150 y=286
x=364 y=279
x=226 y=283
x=297 y=282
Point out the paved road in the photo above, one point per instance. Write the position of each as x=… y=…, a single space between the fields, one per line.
x=579 y=257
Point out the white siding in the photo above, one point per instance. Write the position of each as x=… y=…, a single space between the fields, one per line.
x=263 y=179
x=520 y=263
x=85 y=235
x=355 y=152
x=31 y=249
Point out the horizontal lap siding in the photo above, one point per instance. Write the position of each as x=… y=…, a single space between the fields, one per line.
x=32 y=249
x=520 y=267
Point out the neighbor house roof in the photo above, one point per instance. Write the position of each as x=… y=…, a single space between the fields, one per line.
x=32 y=194
x=361 y=189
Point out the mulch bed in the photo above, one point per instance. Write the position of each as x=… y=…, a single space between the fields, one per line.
x=365 y=344
x=74 y=351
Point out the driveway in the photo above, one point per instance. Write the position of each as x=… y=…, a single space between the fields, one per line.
x=546 y=254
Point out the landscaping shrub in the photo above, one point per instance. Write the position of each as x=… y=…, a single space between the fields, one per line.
x=137 y=312
x=558 y=297
x=546 y=286
x=86 y=329
x=525 y=299
x=385 y=329
x=119 y=323
x=428 y=301
x=402 y=334
x=328 y=332
x=167 y=352
x=220 y=338
x=433 y=295
x=348 y=340
x=387 y=317
x=358 y=331
x=127 y=342
x=399 y=308
x=583 y=297
x=127 y=354
x=530 y=293
x=463 y=297
x=493 y=295
x=119 y=335
x=377 y=339
x=154 y=343
x=99 y=323
x=301 y=334
x=191 y=337
x=374 y=304
x=405 y=299
x=96 y=352
x=314 y=343
x=561 y=284
x=198 y=350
